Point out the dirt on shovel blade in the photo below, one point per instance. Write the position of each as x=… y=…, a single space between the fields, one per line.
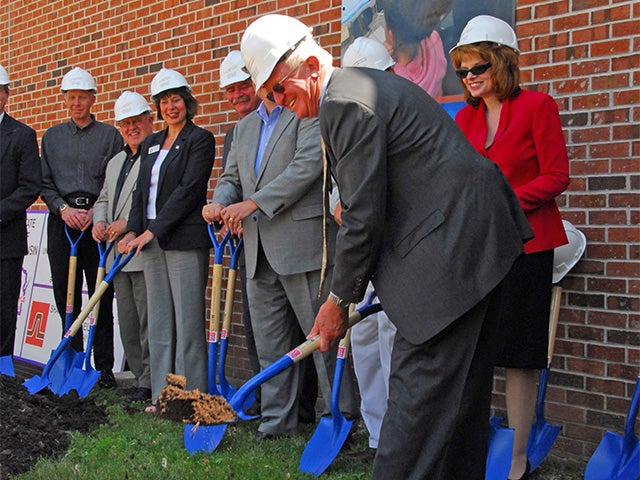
x=192 y=406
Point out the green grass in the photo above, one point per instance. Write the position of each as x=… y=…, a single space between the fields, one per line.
x=140 y=446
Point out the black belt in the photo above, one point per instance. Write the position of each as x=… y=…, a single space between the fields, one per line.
x=81 y=200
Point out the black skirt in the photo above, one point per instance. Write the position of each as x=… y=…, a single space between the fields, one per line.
x=523 y=333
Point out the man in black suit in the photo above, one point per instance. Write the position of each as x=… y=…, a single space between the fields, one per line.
x=435 y=226
x=20 y=180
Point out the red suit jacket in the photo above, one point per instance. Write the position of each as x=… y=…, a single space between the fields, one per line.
x=529 y=148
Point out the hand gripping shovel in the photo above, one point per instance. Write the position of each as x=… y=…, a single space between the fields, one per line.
x=37 y=383
x=331 y=432
x=617 y=457
x=207 y=438
x=543 y=435
x=61 y=369
x=226 y=390
x=83 y=379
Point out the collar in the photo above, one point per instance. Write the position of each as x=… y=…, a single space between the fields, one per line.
x=1 y=116
x=329 y=69
x=264 y=114
x=75 y=128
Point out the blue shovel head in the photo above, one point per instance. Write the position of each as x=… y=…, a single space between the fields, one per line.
x=541 y=439
x=61 y=369
x=616 y=458
x=325 y=444
x=6 y=366
x=81 y=379
x=500 y=450
x=203 y=438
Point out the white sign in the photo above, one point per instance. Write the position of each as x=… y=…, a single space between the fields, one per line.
x=39 y=328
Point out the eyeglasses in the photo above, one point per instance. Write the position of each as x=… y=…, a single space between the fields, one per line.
x=476 y=70
x=278 y=87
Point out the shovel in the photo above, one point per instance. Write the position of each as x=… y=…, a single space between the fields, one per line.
x=37 y=383
x=543 y=435
x=617 y=457
x=83 y=379
x=214 y=310
x=207 y=438
x=68 y=357
x=331 y=432
x=226 y=390
x=6 y=366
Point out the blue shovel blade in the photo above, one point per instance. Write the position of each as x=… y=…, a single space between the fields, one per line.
x=613 y=460
x=203 y=438
x=500 y=450
x=324 y=445
x=541 y=439
x=6 y=366
x=62 y=368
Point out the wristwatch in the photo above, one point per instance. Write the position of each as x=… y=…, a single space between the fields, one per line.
x=62 y=208
x=339 y=301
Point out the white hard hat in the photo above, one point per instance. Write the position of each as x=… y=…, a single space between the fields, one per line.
x=78 y=79
x=231 y=69
x=167 y=79
x=4 y=76
x=485 y=28
x=367 y=52
x=566 y=256
x=265 y=42
x=130 y=104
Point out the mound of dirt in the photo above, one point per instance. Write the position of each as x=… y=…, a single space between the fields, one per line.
x=39 y=425
x=192 y=406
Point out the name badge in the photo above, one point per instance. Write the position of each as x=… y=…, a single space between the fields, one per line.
x=154 y=149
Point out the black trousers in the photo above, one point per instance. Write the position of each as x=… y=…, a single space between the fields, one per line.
x=59 y=251
x=10 y=282
x=437 y=421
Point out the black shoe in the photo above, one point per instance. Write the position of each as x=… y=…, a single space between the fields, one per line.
x=107 y=380
x=253 y=410
x=527 y=472
x=262 y=436
x=364 y=456
x=128 y=391
x=306 y=420
x=140 y=395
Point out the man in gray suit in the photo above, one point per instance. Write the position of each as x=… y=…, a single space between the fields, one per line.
x=110 y=213
x=271 y=193
x=434 y=225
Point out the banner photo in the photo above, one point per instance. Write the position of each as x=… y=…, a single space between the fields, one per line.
x=39 y=327
x=418 y=34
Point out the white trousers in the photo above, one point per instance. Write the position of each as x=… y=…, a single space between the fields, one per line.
x=371 y=347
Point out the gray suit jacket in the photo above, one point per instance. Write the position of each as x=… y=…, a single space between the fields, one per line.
x=287 y=190
x=103 y=208
x=435 y=225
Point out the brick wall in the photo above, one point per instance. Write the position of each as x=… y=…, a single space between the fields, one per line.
x=583 y=52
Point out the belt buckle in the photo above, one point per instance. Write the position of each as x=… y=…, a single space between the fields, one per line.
x=82 y=201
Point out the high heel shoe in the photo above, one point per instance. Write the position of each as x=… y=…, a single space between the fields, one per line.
x=526 y=473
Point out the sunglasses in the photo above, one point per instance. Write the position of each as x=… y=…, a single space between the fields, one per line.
x=278 y=87
x=476 y=70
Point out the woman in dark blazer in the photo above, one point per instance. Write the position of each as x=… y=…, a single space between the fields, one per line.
x=521 y=132
x=166 y=227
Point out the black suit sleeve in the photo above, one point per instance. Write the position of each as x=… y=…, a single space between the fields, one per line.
x=24 y=177
x=356 y=142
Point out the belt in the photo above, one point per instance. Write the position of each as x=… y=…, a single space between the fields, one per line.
x=81 y=200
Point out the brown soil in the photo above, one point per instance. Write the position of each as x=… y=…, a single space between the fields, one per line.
x=39 y=425
x=192 y=406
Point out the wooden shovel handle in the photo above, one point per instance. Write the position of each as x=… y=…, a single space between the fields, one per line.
x=556 y=296
x=216 y=298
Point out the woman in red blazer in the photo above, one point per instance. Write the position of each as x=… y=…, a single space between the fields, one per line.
x=520 y=131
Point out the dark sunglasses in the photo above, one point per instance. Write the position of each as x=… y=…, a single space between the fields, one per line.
x=278 y=87
x=476 y=70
